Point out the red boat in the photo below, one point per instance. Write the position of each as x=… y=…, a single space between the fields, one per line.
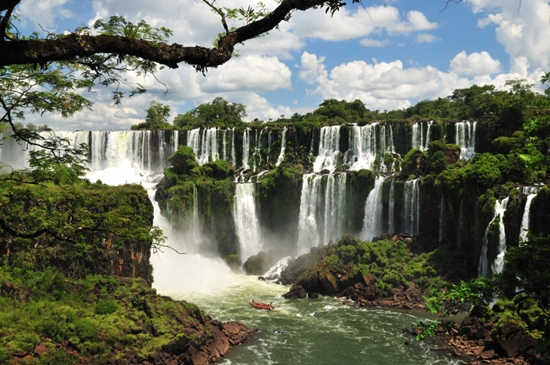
x=266 y=306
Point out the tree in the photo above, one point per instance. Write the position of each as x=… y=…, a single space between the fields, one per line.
x=157 y=117
x=217 y=113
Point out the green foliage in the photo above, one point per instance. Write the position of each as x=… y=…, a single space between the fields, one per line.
x=156 y=118
x=106 y=307
x=218 y=113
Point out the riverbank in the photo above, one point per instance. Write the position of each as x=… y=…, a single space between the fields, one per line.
x=48 y=318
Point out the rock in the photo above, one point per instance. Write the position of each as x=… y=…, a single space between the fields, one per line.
x=41 y=349
x=257 y=265
x=297 y=291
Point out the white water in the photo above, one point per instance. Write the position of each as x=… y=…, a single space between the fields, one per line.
x=329 y=143
x=246 y=220
x=283 y=148
x=362 y=147
x=322 y=210
x=391 y=208
x=417 y=136
x=498 y=264
x=411 y=214
x=204 y=143
x=372 y=223
x=532 y=191
x=466 y=138
x=246 y=148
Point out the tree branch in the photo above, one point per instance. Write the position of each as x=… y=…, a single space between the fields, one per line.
x=73 y=46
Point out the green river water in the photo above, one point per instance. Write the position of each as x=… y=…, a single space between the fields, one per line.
x=311 y=331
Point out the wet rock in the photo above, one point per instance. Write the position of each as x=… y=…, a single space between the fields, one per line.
x=297 y=291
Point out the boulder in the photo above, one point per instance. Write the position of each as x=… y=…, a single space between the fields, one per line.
x=257 y=265
x=297 y=291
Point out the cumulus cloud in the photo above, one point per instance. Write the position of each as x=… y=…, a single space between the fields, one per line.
x=522 y=28
x=475 y=64
x=346 y=24
x=389 y=85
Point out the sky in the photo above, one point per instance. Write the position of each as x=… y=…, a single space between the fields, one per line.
x=388 y=54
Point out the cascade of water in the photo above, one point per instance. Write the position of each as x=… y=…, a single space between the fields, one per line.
x=391 y=208
x=411 y=214
x=275 y=272
x=466 y=138
x=322 y=210
x=224 y=144
x=417 y=136
x=308 y=235
x=256 y=156
x=204 y=143
x=334 y=206
x=391 y=146
x=372 y=223
x=329 y=142
x=532 y=192
x=362 y=147
x=496 y=267
x=246 y=148
x=427 y=142
x=246 y=220
x=498 y=264
x=233 y=153
x=283 y=148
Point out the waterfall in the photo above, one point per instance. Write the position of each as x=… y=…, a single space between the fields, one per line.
x=362 y=147
x=205 y=146
x=532 y=192
x=329 y=143
x=391 y=208
x=372 y=223
x=498 y=264
x=283 y=148
x=427 y=142
x=308 y=235
x=466 y=138
x=246 y=220
x=246 y=148
x=411 y=215
x=322 y=210
x=417 y=137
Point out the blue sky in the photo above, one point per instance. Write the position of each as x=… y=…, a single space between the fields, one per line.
x=388 y=55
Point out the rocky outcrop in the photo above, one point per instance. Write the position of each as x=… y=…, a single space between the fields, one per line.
x=476 y=343
x=366 y=295
x=380 y=273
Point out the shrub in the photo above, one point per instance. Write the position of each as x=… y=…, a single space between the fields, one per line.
x=106 y=307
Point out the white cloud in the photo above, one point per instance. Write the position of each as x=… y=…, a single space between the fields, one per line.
x=475 y=64
x=426 y=38
x=247 y=73
x=345 y=25
x=368 y=42
x=522 y=28
x=43 y=13
x=388 y=85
